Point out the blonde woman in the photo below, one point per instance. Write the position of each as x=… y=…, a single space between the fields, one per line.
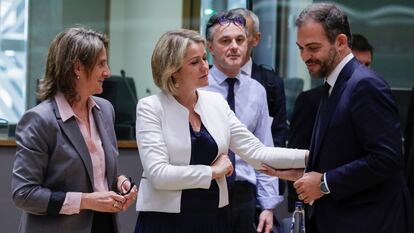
x=183 y=135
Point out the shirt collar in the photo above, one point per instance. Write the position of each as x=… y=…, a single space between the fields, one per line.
x=219 y=76
x=66 y=111
x=331 y=79
x=247 y=68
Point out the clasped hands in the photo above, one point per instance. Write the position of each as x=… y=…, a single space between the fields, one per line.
x=110 y=201
x=306 y=184
x=128 y=190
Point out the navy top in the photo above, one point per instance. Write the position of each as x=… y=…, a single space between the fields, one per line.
x=203 y=152
x=199 y=207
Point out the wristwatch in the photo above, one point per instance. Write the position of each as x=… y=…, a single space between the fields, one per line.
x=324 y=189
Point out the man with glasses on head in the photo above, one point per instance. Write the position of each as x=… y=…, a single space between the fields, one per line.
x=226 y=35
x=270 y=80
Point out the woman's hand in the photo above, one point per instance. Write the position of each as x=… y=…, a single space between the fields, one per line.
x=107 y=201
x=286 y=174
x=124 y=185
x=130 y=198
x=221 y=167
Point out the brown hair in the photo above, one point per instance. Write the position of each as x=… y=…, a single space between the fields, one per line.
x=75 y=44
x=333 y=20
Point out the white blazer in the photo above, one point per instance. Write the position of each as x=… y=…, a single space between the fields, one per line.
x=164 y=143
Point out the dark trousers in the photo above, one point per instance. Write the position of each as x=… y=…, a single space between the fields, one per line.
x=242 y=207
x=310 y=223
x=103 y=223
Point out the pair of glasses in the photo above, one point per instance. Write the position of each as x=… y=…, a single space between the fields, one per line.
x=225 y=19
x=236 y=19
x=131 y=186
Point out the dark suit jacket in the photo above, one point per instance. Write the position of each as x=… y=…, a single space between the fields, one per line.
x=359 y=147
x=275 y=92
x=304 y=115
x=409 y=145
x=51 y=159
x=301 y=126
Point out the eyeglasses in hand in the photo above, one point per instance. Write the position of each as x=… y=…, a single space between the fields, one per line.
x=131 y=186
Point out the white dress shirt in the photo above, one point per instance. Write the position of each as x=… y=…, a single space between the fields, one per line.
x=247 y=68
x=251 y=109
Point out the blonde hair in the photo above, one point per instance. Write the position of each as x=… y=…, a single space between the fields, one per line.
x=76 y=44
x=167 y=57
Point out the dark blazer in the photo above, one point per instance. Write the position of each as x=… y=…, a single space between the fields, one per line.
x=358 y=145
x=409 y=145
x=275 y=92
x=304 y=115
x=301 y=126
x=51 y=159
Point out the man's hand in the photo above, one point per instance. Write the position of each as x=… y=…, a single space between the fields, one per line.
x=286 y=174
x=265 y=221
x=308 y=187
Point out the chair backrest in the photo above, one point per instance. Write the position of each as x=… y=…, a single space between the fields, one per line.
x=121 y=92
x=293 y=87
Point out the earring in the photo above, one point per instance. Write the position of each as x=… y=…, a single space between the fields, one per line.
x=77 y=77
x=176 y=85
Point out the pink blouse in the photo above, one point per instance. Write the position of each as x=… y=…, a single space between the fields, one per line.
x=72 y=202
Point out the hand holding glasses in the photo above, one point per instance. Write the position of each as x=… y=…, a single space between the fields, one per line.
x=128 y=190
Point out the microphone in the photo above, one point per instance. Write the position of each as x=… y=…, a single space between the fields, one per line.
x=129 y=88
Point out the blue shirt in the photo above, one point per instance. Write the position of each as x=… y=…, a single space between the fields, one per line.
x=251 y=109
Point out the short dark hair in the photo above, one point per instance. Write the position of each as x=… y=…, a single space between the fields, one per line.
x=333 y=20
x=360 y=43
x=223 y=17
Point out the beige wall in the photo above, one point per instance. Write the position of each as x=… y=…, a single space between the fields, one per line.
x=135 y=26
x=49 y=17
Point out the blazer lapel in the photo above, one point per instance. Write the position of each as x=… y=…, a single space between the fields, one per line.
x=72 y=131
x=106 y=144
x=314 y=138
x=326 y=114
x=209 y=121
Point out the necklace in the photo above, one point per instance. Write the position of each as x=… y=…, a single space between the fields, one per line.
x=85 y=119
x=82 y=115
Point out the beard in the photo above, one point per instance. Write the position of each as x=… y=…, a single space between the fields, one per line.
x=326 y=65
